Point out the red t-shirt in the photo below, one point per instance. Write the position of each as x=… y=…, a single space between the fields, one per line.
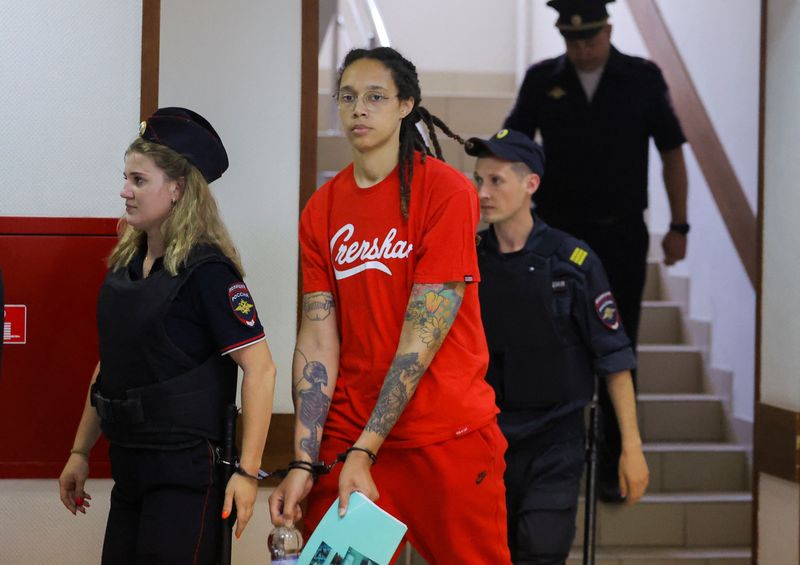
x=356 y=244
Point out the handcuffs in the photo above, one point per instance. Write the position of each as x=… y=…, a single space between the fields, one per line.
x=316 y=469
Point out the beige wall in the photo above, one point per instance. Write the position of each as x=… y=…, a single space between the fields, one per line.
x=779 y=501
x=238 y=64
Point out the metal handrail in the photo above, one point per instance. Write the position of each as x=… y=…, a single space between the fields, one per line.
x=370 y=29
x=377 y=24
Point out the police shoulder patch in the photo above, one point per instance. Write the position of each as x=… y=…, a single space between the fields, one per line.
x=578 y=255
x=607 y=311
x=242 y=304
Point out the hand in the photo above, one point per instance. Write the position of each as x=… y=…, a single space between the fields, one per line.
x=674 y=246
x=284 y=502
x=242 y=491
x=633 y=475
x=356 y=475
x=71 y=483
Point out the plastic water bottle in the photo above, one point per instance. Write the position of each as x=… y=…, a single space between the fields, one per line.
x=285 y=545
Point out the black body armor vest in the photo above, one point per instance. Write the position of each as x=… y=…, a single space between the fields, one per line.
x=536 y=355
x=139 y=394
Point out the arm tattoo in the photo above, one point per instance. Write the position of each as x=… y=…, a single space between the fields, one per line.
x=401 y=381
x=313 y=404
x=317 y=305
x=431 y=310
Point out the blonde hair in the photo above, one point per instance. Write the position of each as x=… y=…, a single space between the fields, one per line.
x=194 y=218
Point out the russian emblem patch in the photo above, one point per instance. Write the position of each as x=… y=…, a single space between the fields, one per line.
x=607 y=311
x=242 y=304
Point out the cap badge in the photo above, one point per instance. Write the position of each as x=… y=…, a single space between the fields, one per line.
x=556 y=92
x=576 y=20
x=142 y=127
x=501 y=134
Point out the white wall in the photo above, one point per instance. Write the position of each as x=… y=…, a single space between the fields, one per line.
x=69 y=105
x=780 y=360
x=238 y=64
x=719 y=41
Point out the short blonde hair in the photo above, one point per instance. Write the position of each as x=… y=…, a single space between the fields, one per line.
x=193 y=220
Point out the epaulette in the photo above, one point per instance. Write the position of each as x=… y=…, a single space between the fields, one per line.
x=576 y=252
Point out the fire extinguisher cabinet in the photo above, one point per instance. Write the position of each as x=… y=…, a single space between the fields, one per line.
x=52 y=272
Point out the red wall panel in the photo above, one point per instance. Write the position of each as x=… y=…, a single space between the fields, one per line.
x=55 y=267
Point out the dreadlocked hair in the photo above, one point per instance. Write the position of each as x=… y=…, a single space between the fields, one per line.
x=404 y=74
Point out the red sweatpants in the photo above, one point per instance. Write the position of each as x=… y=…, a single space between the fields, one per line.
x=451 y=496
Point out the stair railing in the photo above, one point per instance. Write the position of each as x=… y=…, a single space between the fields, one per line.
x=359 y=25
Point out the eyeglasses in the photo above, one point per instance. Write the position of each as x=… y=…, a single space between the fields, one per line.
x=373 y=100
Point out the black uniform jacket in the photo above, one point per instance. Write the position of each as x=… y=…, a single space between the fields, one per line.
x=578 y=318
x=597 y=152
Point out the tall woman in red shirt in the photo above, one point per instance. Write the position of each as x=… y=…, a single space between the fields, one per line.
x=391 y=355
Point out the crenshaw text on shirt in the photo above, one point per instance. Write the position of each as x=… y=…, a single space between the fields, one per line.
x=367 y=254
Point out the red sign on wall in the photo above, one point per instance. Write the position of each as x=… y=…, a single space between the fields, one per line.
x=15 y=317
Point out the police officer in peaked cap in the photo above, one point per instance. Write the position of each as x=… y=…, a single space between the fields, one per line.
x=596 y=110
x=175 y=323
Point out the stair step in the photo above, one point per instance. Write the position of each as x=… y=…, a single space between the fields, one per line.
x=696 y=468
x=687 y=520
x=653 y=289
x=681 y=417
x=669 y=369
x=660 y=322
x=666 y=556
x=651 y=556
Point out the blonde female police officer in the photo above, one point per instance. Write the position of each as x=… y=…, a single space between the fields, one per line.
x=174 y=320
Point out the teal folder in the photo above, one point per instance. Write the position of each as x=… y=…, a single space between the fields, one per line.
x=366 y=535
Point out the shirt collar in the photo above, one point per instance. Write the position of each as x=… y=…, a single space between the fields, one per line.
x=563 y=64
x=136 y=266
x=539 y=228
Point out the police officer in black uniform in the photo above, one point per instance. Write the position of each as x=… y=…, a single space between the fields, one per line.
x=551 y=324
x=596 y=109
x=175 y=322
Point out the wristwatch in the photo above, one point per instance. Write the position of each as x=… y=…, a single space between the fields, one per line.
x=681 y=228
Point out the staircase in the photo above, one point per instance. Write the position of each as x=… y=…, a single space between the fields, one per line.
x=698 y=506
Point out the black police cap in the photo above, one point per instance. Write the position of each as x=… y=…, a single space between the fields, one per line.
x=189 y=134
x=509 y=145
x=580 y=19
